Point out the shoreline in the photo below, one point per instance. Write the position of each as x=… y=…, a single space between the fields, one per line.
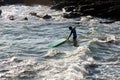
x=108 y=9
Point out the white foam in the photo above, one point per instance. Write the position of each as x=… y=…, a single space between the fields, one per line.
x=69 y=67
x=52 y=52
x=16 y=66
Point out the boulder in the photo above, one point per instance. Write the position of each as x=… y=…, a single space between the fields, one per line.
x=11 y=17
x=46 y=16
x=99 y=8
x=71 y=15
x=4 y=2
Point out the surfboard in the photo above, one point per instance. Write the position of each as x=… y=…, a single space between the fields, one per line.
x=57 y=43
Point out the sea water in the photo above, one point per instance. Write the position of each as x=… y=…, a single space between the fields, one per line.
x=24 y=54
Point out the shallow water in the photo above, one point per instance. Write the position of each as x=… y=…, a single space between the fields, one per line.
x=24 y=53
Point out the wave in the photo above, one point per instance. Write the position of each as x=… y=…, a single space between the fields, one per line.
x=55 y=65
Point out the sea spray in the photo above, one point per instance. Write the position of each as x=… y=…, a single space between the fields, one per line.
x=72 y=65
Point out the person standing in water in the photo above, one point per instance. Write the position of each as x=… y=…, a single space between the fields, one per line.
x=73 y=31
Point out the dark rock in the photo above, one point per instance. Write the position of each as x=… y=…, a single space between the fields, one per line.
x=111 y=41
x=99 y=8
x=47 y=16
x=42 y=2
x=71 y=15
x=69 y=8
x=33 y=13
x=1 y=2
x=62 y=4
x=4 y=2
x=11 y=17
x=25 y=18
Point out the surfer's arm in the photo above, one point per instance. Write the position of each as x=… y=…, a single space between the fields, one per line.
x=69 y=35
x=75 y=27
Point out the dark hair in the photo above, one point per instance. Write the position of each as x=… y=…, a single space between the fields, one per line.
x=70 y=28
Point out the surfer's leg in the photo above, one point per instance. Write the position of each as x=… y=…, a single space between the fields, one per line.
x=75 y=41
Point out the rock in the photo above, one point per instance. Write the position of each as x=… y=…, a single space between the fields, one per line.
x=25 y=18
x=33 y=13
x=46 y=16
x=71 y=15
x=1 y=2
x=4 y=2
x=62 y=4
x=98 y=8
x=69 y=8
x=11 y=17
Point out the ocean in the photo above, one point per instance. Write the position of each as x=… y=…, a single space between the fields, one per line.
x=24 y=54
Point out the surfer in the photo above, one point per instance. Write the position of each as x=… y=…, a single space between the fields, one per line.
x=73 y=31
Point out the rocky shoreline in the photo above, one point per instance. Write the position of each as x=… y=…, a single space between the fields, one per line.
x=109 y=9
x=99 y=8
x=4 y=2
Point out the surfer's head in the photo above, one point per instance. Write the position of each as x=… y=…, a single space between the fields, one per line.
x=70 y=28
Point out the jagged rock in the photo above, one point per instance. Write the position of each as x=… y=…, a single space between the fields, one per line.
x=99 y=8
x=33 y=13
x=71 y=15
x=62 y=4
x=11 y=17
x=25 y=18
x=46 y=16
x=4 y=2
x=69 y=8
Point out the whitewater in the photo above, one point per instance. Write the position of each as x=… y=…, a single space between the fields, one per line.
x=24 y=54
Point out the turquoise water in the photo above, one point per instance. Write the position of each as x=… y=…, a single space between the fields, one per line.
x=24 y=53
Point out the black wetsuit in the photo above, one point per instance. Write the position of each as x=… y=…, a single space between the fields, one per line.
x=73 y=31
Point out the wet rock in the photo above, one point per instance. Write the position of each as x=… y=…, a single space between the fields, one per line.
x=71 y=15
x=69 y=8
x=61 y=4
x=46 y=16
x=25 y=18
x=1 y=2
x=33 y=13
x=11 y=17
x=4 y=2
x=99 y=8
